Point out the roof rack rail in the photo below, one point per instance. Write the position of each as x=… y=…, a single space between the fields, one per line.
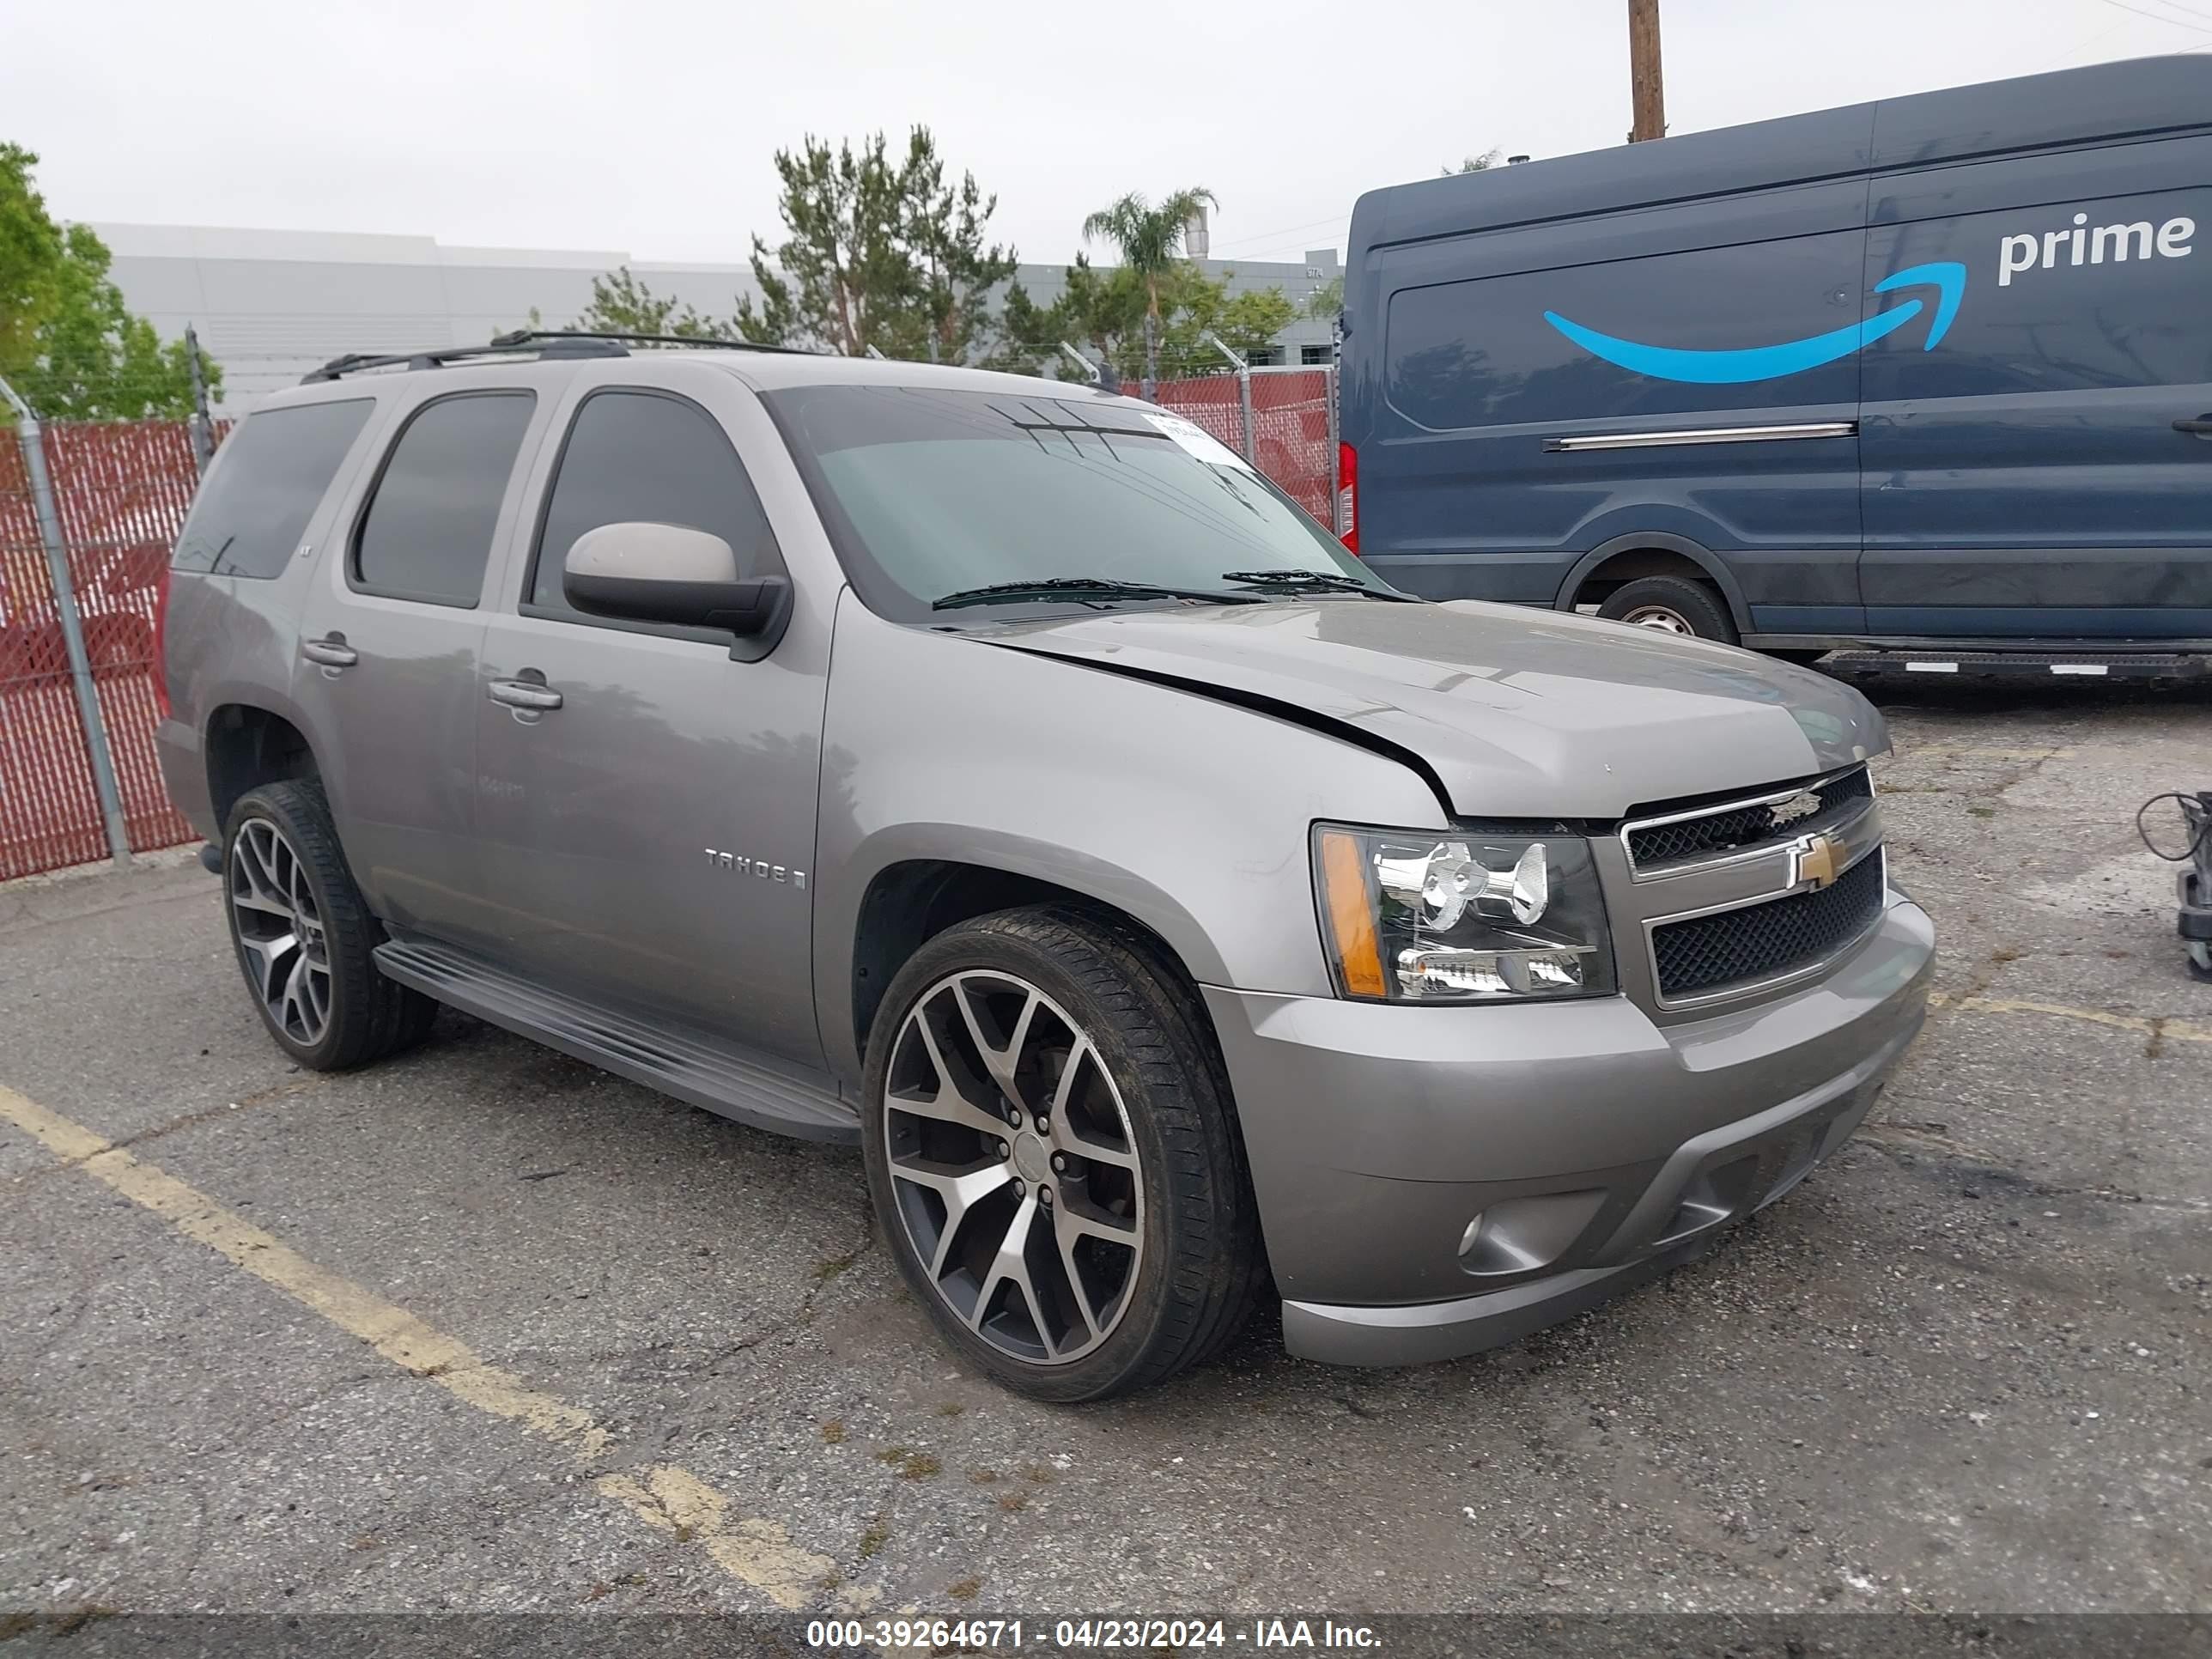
x=545 y=343
x=706 y=341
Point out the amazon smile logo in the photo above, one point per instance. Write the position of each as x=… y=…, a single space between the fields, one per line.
x=1768 y=362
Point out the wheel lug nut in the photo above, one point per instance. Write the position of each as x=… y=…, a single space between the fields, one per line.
x=1044 y=1194
x=1041 y=1126
x=1004 y=1150
x=1019 y=1189
x=1060 y=1163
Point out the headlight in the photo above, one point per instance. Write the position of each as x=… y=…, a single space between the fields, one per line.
x=1423 y=916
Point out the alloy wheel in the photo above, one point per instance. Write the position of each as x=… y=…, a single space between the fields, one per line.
x=281 y=940
x=1016 y=1175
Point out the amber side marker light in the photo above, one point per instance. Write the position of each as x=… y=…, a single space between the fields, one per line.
x=1350 y=915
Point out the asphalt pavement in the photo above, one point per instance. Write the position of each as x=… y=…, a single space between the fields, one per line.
x=482 y=1329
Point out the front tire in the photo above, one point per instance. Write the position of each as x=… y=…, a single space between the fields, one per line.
x=304 y=936
x=1053 y=1157
x=1671 y=605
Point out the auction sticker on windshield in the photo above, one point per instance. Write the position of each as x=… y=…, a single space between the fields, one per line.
x=1197 y=440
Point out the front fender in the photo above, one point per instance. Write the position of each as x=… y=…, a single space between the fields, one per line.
x=1191 y=815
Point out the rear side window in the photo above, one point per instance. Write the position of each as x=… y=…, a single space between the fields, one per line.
x=426 y=532
x=275 y=470
x=651 y=458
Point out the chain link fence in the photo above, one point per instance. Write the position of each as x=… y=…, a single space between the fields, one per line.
x=1287 y=426
x=116 y=495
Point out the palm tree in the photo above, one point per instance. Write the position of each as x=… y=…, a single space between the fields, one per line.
x=1151 y=242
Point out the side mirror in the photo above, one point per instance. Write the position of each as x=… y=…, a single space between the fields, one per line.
x=668 y=572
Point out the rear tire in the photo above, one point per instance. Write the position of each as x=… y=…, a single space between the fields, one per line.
x=1671 y=605
x=1113 y=1241
x=303 y=934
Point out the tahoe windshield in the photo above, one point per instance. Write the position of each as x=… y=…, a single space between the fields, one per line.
x=945 y=501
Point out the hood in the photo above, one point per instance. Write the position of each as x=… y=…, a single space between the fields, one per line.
x=1520 y=713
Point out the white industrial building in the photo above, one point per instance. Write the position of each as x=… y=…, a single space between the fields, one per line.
x=270 y=305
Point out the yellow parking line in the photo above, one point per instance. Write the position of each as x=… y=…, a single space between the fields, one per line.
x=2168 y=1030
x=757 y=1552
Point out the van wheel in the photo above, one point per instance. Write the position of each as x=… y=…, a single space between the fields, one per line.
x=1671 y=605
x=1053 y=1158
x=304 y=934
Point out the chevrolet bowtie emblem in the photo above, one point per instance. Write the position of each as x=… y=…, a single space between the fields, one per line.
x=1815 y=860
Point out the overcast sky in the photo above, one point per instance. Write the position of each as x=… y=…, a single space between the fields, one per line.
x=649 y=126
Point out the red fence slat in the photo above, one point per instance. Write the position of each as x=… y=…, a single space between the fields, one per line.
x=1290 y=427
x=121 y=490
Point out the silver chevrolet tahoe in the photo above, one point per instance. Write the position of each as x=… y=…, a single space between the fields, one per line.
x=1003 y=776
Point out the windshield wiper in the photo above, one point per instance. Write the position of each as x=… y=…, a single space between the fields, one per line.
x=1084 y=587
x=1312 y=581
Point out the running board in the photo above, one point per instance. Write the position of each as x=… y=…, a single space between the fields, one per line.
x=2042 y=663
x=689 y=1065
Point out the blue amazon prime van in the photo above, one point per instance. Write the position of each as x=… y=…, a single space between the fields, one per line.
x=1930 y=372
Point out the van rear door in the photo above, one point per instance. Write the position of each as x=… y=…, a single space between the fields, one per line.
x=2024 y=476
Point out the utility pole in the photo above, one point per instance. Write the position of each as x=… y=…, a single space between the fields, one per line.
x=1647 y=87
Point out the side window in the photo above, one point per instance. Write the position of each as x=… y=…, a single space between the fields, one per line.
x=426 y=532
x=654 y=457
x=274 y=470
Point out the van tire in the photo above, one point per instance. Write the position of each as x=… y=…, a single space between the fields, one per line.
x=366 y=1015
x=1201 y=1267
x=1671 y=605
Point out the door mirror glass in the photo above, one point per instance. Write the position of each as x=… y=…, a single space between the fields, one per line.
x=667 y=573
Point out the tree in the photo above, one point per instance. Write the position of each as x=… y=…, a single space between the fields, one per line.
x=69 y=345
x=1108 y=309
x=1482 y=163
x=1150 y=239
x=1250 y=321
x=620 y=304
x=1325 y=302
x=878 y=253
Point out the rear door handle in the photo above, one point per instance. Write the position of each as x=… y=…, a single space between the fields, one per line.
x=524 y=694
x=2202 y=426
x=332 y=652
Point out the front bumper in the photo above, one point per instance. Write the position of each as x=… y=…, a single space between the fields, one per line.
x=1596 y=1146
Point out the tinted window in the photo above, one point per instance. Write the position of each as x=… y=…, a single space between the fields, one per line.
x=428 y=527
x=1486 y=352
x=639 y=457
x=931 y=493
x=274 y=470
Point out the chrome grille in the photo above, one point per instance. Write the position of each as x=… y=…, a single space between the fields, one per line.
x=1705 y=954
x=1747 y=826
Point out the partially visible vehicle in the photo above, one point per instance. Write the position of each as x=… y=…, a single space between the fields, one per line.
x=1164 y=903
x=1930 y=372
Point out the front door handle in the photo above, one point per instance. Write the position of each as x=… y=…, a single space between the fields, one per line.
x=332 y=652
x=524 y=694
x=2202 y=426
